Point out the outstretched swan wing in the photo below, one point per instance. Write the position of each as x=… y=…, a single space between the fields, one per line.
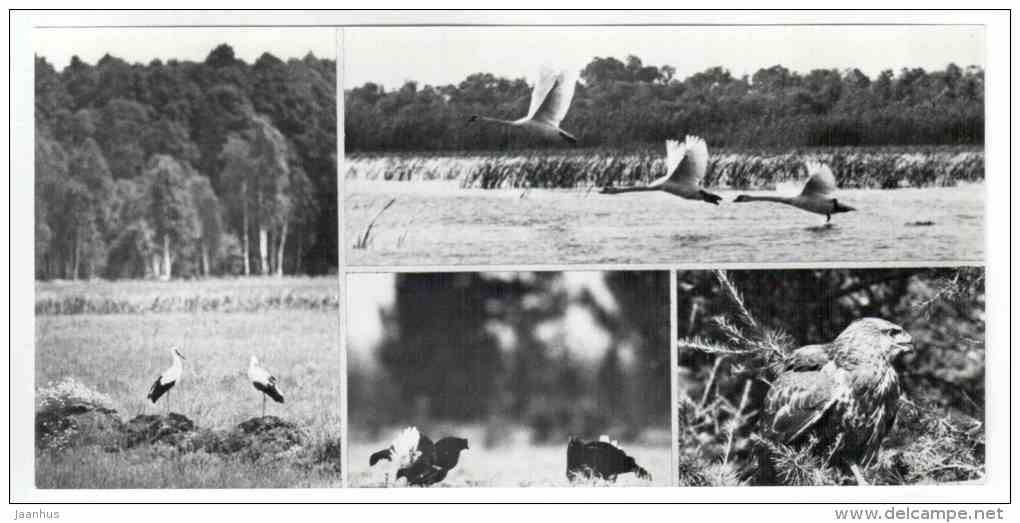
x=551 y=96
x=686 y=162
x=821 y=181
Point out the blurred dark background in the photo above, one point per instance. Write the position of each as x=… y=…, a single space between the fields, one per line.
x=539 y=350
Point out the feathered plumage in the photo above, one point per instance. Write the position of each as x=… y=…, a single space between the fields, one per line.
x=686 y=165
x=418 y=460
x=263 y=381
x=166 y=381
x=843 y=394
x=816 y=197
x=550 y=99
x=603 y=459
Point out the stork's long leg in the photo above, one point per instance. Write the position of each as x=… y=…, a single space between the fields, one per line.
x=263 y=405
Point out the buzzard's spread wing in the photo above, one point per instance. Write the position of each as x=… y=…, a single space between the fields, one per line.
x=797 y=401
x=808 y=357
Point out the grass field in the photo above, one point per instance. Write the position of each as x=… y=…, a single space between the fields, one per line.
x=120 y=354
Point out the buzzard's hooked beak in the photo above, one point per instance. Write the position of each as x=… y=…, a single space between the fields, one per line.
x=904 y=343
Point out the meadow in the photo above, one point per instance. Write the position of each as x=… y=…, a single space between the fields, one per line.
x=513 y=462
x=117 y=353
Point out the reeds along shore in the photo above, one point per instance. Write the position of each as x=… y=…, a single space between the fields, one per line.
x=857 y=167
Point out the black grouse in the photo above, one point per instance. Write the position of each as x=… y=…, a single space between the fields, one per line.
x=418 y=460
x=601 y=459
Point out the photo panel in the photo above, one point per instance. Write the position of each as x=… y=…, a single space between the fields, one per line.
x=645 y=145
x=509 y=379
x=831 y=377
x=186 y=295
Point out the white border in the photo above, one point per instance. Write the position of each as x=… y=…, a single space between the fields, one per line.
x=998 y=162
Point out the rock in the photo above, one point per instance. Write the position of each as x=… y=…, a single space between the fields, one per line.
x=175 y=430
x=72 y=425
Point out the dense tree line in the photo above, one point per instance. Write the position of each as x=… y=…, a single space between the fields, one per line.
x=626 y=103
x=470 y=347
x=179 y=168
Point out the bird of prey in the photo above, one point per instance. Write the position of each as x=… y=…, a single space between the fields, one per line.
x=843 y=395
x=550 y=100
x=418 y=460
x=816 y=197
x=602 y=459
x=686 y=164
x=167 y=379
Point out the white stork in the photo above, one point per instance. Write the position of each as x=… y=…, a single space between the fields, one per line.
x=263 y=382
x=168 y=379
x=550 y=100
x=816 y=196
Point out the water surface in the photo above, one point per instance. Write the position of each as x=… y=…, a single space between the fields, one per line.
x=438 y=223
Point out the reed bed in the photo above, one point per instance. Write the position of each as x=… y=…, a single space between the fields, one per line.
x=855 y=167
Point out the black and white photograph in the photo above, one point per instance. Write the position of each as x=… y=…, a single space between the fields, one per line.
x=405 y=258
x=831 y=376
x=519 y=379
x=525 y=145
x=186 y=293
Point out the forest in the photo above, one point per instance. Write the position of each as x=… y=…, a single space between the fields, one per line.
x=185 y=169
x=626 y=103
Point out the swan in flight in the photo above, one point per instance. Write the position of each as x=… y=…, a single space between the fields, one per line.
x=550 y=100
x=686 y=164
x=816 y=196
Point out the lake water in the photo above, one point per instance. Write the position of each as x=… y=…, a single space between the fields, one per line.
x=439 y=223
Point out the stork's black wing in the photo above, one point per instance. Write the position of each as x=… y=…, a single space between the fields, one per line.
x=269 y=389
x=159 y=388
x=385 y=454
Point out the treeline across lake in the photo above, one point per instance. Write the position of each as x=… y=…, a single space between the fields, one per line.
x=181 y=169
x=623 y=103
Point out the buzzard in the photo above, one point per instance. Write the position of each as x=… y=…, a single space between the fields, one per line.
x=420 y=461
x=843 y=394
x=602 y=459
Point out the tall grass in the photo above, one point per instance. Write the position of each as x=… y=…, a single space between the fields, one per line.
x=855 y=167
x=115 y=339
x=214 y=295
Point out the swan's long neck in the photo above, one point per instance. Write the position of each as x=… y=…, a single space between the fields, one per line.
x=778 y=199
x=640 y=188
x=499 y=121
